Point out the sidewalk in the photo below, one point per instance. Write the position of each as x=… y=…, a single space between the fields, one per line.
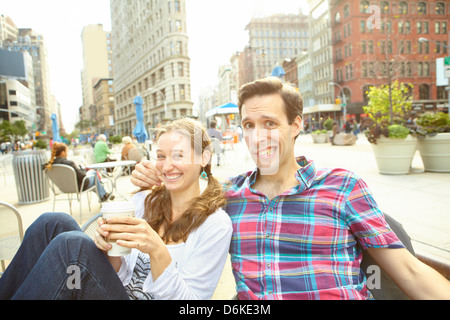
x=419 y=200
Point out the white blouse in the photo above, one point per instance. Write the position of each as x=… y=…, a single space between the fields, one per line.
x=196 y=265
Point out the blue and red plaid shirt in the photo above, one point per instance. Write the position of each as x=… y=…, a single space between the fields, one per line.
x=307 y=242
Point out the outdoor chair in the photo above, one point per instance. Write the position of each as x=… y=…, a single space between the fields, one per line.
x=6 y=167
x=63 y=180
x=91 y=225
x=10 y=244
x=388 y=289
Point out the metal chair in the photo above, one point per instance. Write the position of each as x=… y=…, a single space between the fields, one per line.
x=10 y=244
x=63 y=180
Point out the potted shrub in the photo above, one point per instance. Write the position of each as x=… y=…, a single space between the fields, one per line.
x=433 y=134
x=393 y=145
x=319 y=136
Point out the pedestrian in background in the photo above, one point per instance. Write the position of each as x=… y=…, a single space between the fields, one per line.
x=216 y=139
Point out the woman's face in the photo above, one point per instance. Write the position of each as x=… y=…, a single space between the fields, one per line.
x=176 y=160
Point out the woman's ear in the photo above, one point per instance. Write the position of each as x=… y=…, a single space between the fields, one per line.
x=206 y=158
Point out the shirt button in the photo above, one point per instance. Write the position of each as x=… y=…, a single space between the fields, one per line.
x=268 y=265
x=267 y=235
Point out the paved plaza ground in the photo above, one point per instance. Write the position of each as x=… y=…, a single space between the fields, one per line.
x=420 y=201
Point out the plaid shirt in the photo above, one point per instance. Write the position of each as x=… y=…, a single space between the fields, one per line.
x=307 y=242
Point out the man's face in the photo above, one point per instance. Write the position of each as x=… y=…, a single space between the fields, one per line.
x=269 y=137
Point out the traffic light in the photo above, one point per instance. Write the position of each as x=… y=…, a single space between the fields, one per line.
x=337 y=101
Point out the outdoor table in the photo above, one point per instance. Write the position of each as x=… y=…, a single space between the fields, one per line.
x=99 y=167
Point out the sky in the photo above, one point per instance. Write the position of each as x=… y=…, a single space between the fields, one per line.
x=216 y=29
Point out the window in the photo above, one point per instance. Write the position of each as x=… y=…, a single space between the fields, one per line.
x=364 y=7
x=440 y=8
x=403 y=8
x=363 y=47
x=384 y=7
x=182 y=92
x=177 y=6
x=424 y=92
x=346 y=11
x=422 y=8
x=437 y=27
x=178 y=25
x=362 y=26
x=180 y=69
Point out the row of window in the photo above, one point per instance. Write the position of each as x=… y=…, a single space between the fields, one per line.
x=176 y=70
x=152 y=100
x=402 y=8
x=281 y=34
x=370 y=69
x=404 y=27
x=367 y=46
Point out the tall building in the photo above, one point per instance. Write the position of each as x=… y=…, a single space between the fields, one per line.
x=272 y=39
x=97 y=64
x=38 y=82
x=377 y=43
x=150 y=58
x=320 y=51
x=104 y=106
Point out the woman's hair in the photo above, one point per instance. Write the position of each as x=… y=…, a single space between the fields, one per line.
x=57 y=149
x=158 y=206
x=127 y=140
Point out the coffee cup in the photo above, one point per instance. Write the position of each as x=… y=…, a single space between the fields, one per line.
x=117 y=209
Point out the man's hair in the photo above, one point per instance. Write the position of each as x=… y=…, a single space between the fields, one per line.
x=293 y=102
x=212 y=124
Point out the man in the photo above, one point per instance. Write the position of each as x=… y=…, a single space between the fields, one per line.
x=101 y=150
x=298 y=232
x=216 y=140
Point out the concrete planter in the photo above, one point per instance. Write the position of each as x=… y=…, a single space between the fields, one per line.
x=394 y=156
x=320 y=138
x=435 y=152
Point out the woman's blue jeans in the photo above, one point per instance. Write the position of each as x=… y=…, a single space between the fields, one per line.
x=58 y=261
x=93 y=179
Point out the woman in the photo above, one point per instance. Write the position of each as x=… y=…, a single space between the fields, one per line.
x=59 y=156
x=128 y=145
x=179 y=237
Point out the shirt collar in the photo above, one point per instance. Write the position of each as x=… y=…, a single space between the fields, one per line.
x=305 y=174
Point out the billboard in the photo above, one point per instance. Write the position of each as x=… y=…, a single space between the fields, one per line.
x=12 y=65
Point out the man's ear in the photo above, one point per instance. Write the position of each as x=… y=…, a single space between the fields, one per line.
x=296 y=126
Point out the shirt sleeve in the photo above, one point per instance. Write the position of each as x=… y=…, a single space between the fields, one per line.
x=203 y=267
x=365 y=219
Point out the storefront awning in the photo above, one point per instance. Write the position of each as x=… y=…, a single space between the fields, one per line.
x=227 y=108
x=322 y=108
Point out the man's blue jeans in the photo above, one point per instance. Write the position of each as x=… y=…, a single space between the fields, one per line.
x=43 y=268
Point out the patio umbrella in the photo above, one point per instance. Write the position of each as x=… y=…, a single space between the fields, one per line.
x=139 y=131
x=278 y=71
x=55 y=128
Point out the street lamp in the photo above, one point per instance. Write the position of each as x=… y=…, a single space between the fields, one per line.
x=344 y=98
x=428 y=40
x=448 y=87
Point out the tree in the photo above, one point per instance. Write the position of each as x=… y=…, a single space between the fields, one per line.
x=388 y=107
x=10 y=131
